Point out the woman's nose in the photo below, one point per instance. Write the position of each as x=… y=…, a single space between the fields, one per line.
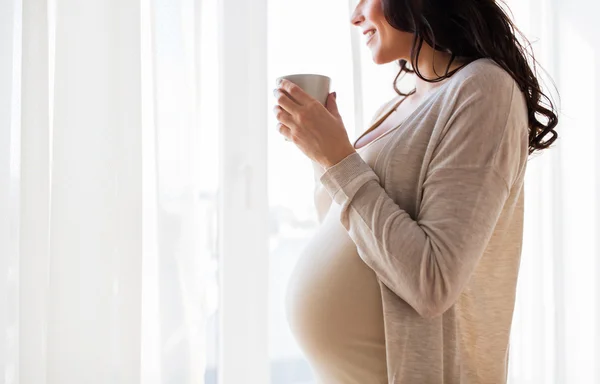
x=356 y=17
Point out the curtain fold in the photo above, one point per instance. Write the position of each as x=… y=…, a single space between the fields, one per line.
x=10 y=184
x=75 y=161
x=106 y=234
x=35 y=173
x=95 y=252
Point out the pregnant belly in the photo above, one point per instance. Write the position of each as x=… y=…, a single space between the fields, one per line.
x=333 y=305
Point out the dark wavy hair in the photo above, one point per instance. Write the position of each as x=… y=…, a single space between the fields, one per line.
x=470 y=30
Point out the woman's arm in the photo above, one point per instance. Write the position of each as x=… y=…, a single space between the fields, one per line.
x=428 y=261
x=322 y=201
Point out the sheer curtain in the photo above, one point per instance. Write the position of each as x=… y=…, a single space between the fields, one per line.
x=556 y=327
x=107 y=200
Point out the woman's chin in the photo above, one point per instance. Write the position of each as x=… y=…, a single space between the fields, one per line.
x=374 y=54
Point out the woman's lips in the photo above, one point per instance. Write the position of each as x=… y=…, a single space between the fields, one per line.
x=370 y=37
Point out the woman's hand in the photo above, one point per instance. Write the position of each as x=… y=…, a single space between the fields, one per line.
x=316 y=129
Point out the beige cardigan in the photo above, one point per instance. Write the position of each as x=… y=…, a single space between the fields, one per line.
x=439 y=219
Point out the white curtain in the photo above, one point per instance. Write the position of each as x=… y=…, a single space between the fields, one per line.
x=106 y=262
x=133 y=241
x=556 y=327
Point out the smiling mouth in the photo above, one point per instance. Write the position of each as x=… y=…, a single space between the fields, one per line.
x=370 y=37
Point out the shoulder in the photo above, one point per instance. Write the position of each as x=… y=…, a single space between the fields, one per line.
x=484 y=78
x=484 y=86
x=484 y=71
x=486 y=114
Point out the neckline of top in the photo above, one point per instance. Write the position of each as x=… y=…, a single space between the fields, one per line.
x=426 y=101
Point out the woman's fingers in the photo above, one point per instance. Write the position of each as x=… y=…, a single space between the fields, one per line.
x=284 y=100
x=296 y=92
x=283 y=116
x=285 y=131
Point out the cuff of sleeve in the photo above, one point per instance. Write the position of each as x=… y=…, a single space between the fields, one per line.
x=345 y=178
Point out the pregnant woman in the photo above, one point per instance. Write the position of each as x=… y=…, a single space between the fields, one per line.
x=411 y=276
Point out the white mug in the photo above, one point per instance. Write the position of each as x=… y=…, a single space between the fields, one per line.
x=316 y=86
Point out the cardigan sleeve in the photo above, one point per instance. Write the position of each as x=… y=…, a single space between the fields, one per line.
x=322 y=201
x=428 y=261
